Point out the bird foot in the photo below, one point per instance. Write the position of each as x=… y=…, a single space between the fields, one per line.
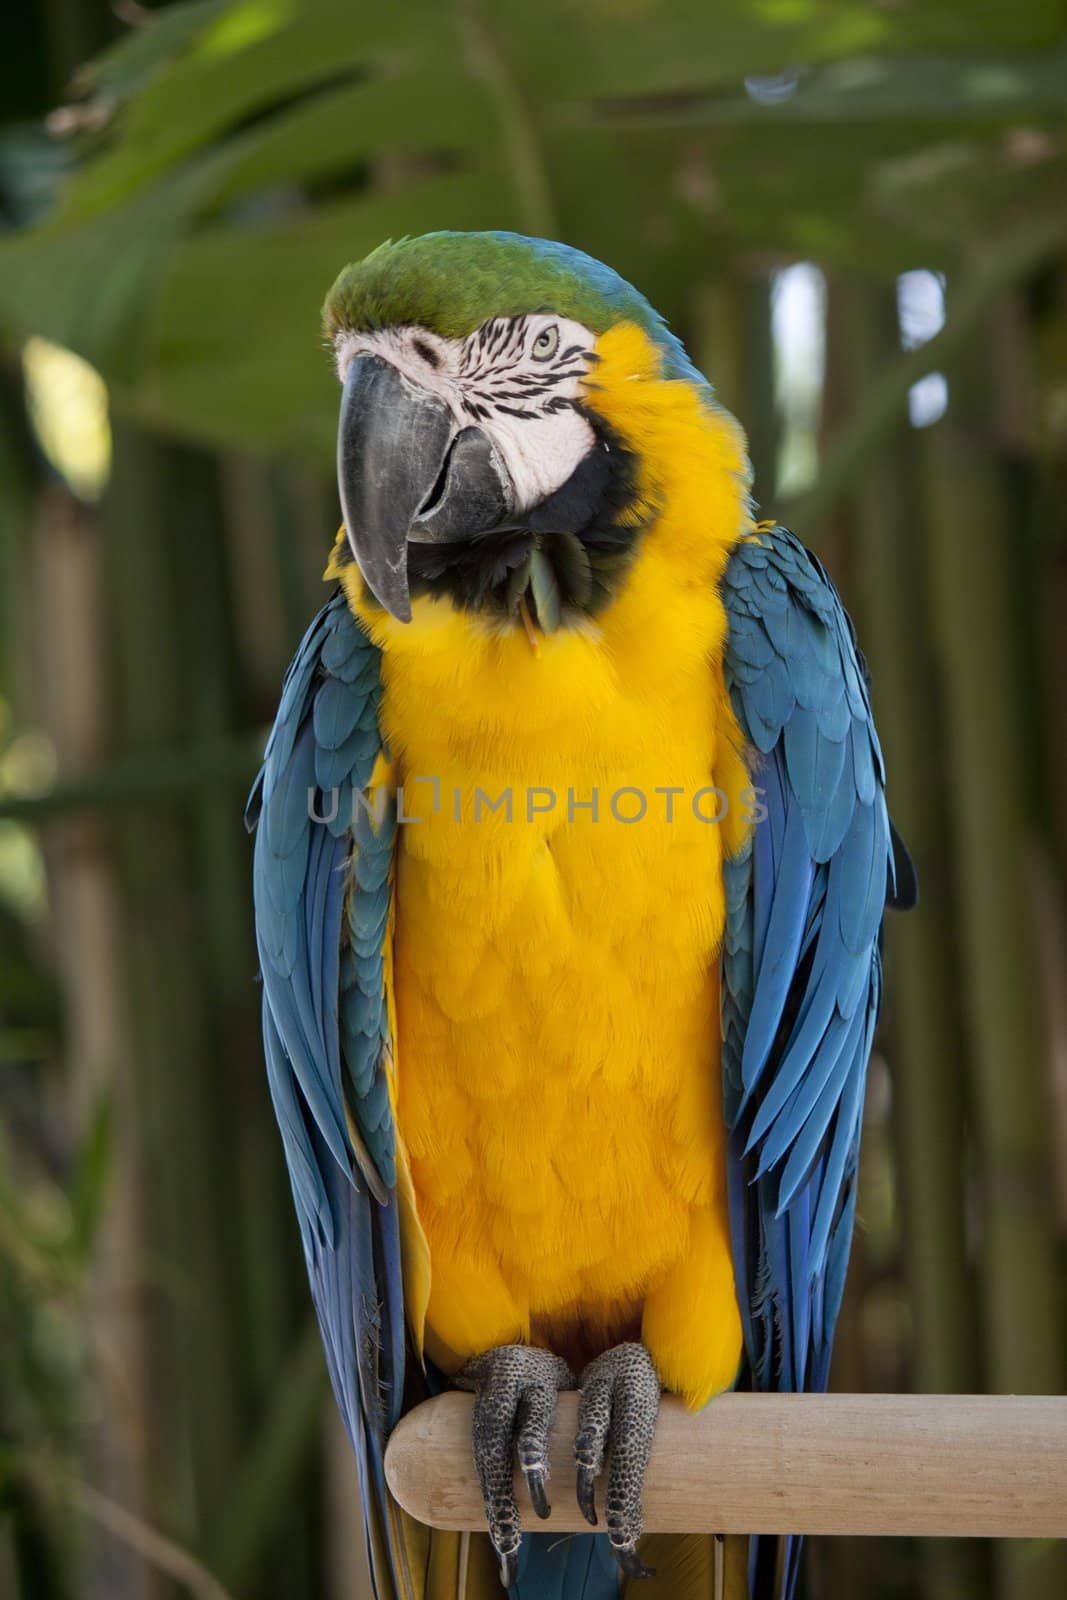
x=617 y=1410
x=515 y=1388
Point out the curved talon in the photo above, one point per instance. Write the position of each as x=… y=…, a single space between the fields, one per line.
x=537 y=1407
x=535 y=1484
x=617 y=1413
x=515 y=1388
x=586 y=1497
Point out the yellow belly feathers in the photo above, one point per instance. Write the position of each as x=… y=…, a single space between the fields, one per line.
x=556 y=1062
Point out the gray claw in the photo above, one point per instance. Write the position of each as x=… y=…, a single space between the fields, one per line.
x=537 y=1407
x=535 y=1483
x=515 y=1388
x=586 y=1480
x=617 y=1412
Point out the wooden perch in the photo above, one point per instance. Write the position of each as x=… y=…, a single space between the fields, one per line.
x=968 y=1465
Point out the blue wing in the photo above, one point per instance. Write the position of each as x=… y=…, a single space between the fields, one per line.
x=801 y=964
x=322 y=884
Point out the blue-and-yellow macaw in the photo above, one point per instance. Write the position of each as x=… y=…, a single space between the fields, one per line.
x=571 y=863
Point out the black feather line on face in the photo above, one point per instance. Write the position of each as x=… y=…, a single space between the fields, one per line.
x=550 y=379
x=498 y=348
x=427 y=352
x=589 y=530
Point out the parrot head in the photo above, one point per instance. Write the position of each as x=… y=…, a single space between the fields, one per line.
x=479 y=418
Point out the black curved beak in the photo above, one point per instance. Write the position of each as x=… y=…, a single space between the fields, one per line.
x=406 y=470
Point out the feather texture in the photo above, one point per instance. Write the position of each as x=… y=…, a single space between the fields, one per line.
x=496 y=916
x=322 y=883
x=801 y=967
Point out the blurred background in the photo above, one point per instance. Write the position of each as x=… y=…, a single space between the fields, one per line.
x=855 y=212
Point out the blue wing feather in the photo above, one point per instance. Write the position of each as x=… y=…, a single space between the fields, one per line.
x=322 y=884
x=800 y=966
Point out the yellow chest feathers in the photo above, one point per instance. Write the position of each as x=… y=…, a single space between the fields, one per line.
x=559 y=908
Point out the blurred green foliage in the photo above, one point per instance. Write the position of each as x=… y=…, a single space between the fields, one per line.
x=231 y=156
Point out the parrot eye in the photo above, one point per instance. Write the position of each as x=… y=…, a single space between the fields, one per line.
x=546 y=344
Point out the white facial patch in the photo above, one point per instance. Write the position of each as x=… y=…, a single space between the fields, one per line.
x=516 y=378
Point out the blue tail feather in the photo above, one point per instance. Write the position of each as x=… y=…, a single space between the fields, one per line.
x=561 y=1567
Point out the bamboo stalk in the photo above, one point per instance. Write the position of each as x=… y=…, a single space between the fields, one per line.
x=234 y=1149
x=272 y=1466
x=970 y=540
x=185 y=1127
x=276 y=1484
x=262 y=639
x=922 y=958
x=85 y=914
x=761 y=1463
x=1047 y=605
x=732 y=343
x=923 y=968
x=37 y=1561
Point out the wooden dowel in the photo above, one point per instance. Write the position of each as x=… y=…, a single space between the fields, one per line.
x=969 y=1465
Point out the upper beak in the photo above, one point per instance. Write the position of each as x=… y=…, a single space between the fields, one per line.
x=406 y=470
x=391 y=445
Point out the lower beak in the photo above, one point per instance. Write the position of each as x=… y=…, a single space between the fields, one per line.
x=406 y=470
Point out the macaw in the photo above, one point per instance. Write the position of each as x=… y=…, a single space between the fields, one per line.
x=571 y=860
